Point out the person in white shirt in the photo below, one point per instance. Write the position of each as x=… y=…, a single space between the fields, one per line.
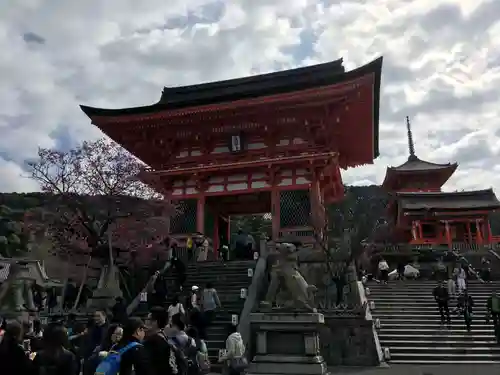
x=383 y=269
x=175 y=308
x=194 y=298
x=461 y=280
x=234 y=355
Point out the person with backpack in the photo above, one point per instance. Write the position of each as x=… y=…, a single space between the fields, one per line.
x=185 y=350
x=210 y=302
x=161 y=355
x=202 y=351
x=129 y=356
x=175 y=307
x=112 y=338
x=493 y=308
x=54 y=359
x=234 y=357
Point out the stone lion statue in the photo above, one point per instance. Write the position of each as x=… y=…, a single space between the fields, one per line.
x=288 y=288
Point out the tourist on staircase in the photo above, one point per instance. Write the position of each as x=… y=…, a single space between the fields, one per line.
x=485 y=269
x=190 y=246
x=239 y=244
x=202 y=247
x=234 y=357
x=180 y=272
x=493 y=311
x=160 y=353
x=175 y=308
x=202 y=351
x=196 y=318
x=451 y=286
x=462 y=279
x=383 y=269
x=210 y=302
x=465 y=303
x=441 y=273
x=442 y=298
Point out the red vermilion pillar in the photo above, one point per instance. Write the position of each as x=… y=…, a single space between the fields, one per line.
x=275 y=212
x=200 y=214
x=315 y=201
x=414 y=233
x=490 y=235
x=479 y=235
x=216 y=240
x=448 y=234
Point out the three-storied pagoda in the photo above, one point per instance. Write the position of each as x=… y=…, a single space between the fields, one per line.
x=423 y=214
x=267 y=143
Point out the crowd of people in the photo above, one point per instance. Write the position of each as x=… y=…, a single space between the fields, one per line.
x=165 y=343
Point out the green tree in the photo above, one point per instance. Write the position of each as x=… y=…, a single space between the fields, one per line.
x=13 y=242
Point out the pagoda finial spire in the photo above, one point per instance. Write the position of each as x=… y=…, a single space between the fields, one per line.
x=411 y=146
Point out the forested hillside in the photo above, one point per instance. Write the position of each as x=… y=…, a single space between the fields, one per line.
x=367 y=201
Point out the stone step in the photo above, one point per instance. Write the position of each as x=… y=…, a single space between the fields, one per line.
x=447 y=333
x=382 y=313
x=418 y=301
x=420 y=308
x=434 y=343
x=446 y=350
x=421 y=292
x=405 y=325
x=439 y=357
x=443 y=362
x=432 y=337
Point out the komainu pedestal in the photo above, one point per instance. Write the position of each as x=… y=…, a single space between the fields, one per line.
x=287 y=343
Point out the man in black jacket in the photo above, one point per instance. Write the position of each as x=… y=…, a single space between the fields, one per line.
x=442 y=297
x=135 y=360
x=161 y=355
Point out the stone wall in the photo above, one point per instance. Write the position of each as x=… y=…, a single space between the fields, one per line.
x=348 y=341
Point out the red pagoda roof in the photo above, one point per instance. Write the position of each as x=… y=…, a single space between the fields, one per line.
x=477 y=199
x=414 y=164
x=210 y=96
x=416 y=171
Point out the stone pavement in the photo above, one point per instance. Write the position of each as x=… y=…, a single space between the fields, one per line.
x=458 y=369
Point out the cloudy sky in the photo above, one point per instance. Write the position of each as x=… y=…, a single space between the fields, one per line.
x=441 y=68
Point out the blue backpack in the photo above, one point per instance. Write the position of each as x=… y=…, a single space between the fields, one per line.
x=111 y=364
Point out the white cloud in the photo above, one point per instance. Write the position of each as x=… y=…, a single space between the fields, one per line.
x=441 y=67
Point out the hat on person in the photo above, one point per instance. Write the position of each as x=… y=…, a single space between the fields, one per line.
x=194 y=288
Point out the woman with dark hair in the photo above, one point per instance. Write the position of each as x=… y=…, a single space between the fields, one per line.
x=113 y=336
x=54 y=359
x=13 y=358
x=134 y=358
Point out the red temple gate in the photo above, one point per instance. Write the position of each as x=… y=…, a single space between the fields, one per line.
x=268 y=143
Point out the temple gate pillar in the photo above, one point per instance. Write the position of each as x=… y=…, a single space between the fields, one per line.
x=490 y=234
x=200 y=214
x=414 y=230
x=275 y=212
x=479 y=238
x=469 y=232
x=448 y=233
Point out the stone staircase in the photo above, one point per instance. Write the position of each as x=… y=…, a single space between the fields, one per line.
x=411 y=329
x=228 y=278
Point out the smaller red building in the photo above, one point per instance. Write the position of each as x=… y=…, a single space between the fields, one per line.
x=423 y=214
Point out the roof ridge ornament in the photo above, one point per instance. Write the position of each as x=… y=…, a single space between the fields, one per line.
x=411 y=145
